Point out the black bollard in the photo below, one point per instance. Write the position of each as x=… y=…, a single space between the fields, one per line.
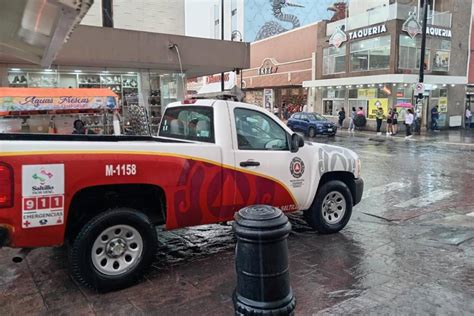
x=261 y=261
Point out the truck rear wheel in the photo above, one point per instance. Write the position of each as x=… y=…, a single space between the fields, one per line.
x=113 y=250
x=331 y=209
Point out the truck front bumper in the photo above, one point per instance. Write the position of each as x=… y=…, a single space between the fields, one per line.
x=358 y=190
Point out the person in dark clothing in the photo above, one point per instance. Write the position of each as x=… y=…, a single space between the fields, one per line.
x=434 y=118
x=342 y=117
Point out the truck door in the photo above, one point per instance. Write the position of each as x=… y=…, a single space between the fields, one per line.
x=267 y=172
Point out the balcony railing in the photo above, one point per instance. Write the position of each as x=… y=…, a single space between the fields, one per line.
x=394 y=11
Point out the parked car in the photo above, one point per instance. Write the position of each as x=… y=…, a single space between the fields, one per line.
x=311 y=124
x=102 y=195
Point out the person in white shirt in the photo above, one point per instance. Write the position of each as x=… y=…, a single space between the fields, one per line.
x=408 y=122
x=468 y=117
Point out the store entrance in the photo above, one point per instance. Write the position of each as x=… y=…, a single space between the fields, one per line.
x=470 y=105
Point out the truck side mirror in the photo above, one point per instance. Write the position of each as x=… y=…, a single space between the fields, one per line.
x=296 y=142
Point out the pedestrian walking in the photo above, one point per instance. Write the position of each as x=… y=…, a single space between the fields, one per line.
x=434 y=118
x=351 y=122
x=394 y=121
x=389 y=121
x=409 y=117
x=342 y=117
x=379 y=118
x=468 y=117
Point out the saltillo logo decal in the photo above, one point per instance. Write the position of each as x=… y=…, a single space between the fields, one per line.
x=297 y=167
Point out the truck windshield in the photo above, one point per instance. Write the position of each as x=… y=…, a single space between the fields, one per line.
x=190 y=123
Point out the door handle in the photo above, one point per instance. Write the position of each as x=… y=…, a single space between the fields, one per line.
x=249 y=163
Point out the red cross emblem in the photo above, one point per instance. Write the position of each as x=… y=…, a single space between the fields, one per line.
x=26 y=224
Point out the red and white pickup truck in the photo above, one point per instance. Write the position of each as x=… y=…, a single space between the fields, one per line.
x=103 y=195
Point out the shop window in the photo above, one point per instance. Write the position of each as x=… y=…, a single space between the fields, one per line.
x=334 y=60
x=384 y=92
x=358 y=104
x=353 y=93
x=441 y=60
x=371 y=54
x=331 y=107
x=410 y=52
x=404 y=93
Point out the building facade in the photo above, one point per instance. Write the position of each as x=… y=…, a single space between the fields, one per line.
x=164 y=16
x=470 y=85
x=372 y=58
x=279 y=66
x=141 y=66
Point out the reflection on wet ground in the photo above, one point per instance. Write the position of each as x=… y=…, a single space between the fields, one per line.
x=408 y=249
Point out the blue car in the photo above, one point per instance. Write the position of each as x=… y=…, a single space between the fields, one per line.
x=311 y=124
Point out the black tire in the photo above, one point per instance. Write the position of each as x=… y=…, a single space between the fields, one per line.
x=83 y=268
x=311 y=132
x=315 y=216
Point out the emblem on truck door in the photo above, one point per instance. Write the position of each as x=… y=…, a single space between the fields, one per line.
x=297 y=167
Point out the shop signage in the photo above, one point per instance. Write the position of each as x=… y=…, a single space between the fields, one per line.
x=268 y=67
x=436 y=31
x=368 y=31
x=443 y=104
x=34 y=103
x=367 y=93
x=419 y=88
x=268 y=99
x=411 y=25
x=217 y=78
x=374 y=104
x=413 y=28
x=337 y=38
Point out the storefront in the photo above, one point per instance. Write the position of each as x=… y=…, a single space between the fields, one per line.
x=139 y=67
x=279 y=65
x=378 y=65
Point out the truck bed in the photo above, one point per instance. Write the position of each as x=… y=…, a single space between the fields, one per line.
x=82 y=138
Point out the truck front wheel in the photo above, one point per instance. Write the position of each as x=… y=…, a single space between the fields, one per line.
x=113 y=250
x=331 y=209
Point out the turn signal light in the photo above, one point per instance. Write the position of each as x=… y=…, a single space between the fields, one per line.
x=189 y=101
x=6 y=186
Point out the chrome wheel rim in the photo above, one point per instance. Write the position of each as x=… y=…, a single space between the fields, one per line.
x=334 y=207
x=117 y=250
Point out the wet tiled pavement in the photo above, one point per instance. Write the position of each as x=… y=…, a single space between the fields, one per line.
x=408 y=250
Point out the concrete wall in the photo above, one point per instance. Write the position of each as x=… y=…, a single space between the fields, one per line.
x=289 y=46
